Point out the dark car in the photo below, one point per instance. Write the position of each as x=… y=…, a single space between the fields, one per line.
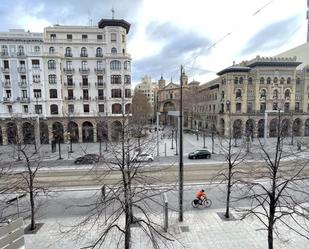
x=87 y=159
x=199 y=154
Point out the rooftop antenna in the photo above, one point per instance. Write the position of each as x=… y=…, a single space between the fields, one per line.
x=308 y=21
x=113 y=12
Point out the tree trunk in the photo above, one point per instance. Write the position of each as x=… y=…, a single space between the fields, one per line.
x=32 y=206
x=227 y=211
x=270 y=237
x=127 y=240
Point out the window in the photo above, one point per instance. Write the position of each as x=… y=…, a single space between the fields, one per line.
x=288 y=80
x=282 y=80
x=53 y=93
x=8 y=93
x=68 y=52
x=84 y=37
x=235 y=80
x=123 y=38
x=6 y=64
x=38 y=109
x=286 y=107
x=101 y=108
x=99 y=52
x=116 y=109
x=250 y=81
x=23 y=79
x=24 y=93
x=99 y=37
x=100 y=65
x=36 y=78
x=297 y=105
x=52 y=79
x=7 y=79
x=25 y=109
x=238 y=107
x=51 y=50
x=113 y=37
x=222 y=95
x=263 y=93
x=275 y=106
x=84 y=65
x=37 y=49
x=127 y=79
x=4 y=50
x=21 y=50
x=52 y=36
x=128 y=93
x=22 y=64
x=85 y=80
x=83 y=52
x=275 y=80
x=238 y=93
x=71 y=108
x=35 y=64
x=116 y=93
x=85 y=94
x=100 y=94
x=37 y=93
x=114 y=51
x=241 y=80
x=287 y=94
x=249 y=107
x=298 y=81
x=115 y=65
x=69 y=37
x=86 y=108
x=262 y=80
x=127 y=65
x=268 y=81
x=70 y=94
x=100 y=79
x=53 y=109
x=262 y=107
x=10 y=109
x=116 y=79
x=69 y=65
x=275 y=94
x=70 y=80
x=51 y=64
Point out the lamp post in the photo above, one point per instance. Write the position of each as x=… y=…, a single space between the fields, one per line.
x=172 y=139
x=158 y=113
x=228 y=108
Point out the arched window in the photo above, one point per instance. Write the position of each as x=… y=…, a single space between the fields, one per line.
x=262 y=80
x=51 y=50
x=53 y=109
x=114 y=51
x=127 y=65
x=83 y=52
x=287 y=93
x=288 y=81
x=115 y=65
x=238 y=93
x=99 y=52
x=298 y=81
x=235 y=80
x=281 y=80
x=241 y=80
x=51 y=64
x=116 y=109
x=68 y=52
x=250 y=81
x=275 y=80
x=275 y=94
x=52 y=79
x=268 y=80
x=37 y=49
x=263 y=93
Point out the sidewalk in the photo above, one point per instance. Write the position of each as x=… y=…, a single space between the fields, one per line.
x=202 y=228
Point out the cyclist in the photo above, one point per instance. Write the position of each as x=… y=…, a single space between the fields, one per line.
x=200 y=195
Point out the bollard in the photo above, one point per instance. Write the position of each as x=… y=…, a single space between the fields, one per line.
x=165 y=212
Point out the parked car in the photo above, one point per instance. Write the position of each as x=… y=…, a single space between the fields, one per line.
x=143 y=157
x=87 y=159
x=198 y=154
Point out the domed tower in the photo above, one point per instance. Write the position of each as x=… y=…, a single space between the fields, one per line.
x=161 y=82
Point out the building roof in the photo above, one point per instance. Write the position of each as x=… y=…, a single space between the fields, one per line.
x=234 y=68
x=114 y=22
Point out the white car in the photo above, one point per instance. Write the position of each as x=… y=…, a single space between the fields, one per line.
x=143 y=157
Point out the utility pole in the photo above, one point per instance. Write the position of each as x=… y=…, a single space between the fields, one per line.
x=180 y=218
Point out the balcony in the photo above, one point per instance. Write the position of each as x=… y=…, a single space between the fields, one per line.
x=84 y=85
x=85 y=98
x=7 y=84
x=100 y=84
x=100 y=98
x=22 y=84
x=69 y=84
x=7 y=99
x=99 y=55
x=68 y=55
x=23 y=99
x=70 y=98
x=84 y=70
x=68 y=70
x=21 y=69
x=4 y=54
x=21 y=54
x=83 y=55
x=5 y=69
x=99 y=70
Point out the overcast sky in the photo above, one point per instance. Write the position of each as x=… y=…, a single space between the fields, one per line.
x=204 y=35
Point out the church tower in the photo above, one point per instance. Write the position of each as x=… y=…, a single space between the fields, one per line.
x=161 y=82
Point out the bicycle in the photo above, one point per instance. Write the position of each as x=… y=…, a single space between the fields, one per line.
x=205 y=202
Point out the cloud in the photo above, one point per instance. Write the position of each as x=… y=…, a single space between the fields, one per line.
x=272 y=36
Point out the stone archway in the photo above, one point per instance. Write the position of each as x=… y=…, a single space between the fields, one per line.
x=116 y=130
x=260 y=128
x=169 y=106
x=58 y=132
x=28 y=133
x=222 y=127
x=73 y=129
x=237 y=128
x=297 y=124
x=102 y=131
x=12 y=133
x=87 y=128
x=285 y=127
x=307 y=128
x=250 y=128
x=273 y=128
x=44 y=133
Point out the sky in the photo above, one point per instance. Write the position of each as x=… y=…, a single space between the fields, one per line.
x=205 y=36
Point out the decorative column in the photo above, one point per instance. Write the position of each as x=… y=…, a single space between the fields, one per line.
x=80 y=133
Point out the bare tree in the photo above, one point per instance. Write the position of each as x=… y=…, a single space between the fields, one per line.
x=279 y=191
